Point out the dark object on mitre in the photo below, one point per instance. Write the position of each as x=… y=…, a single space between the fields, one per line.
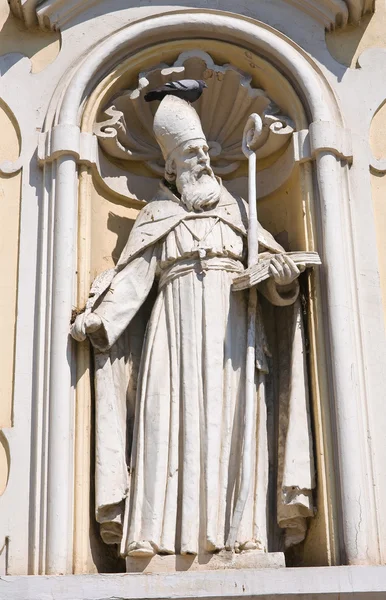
x=186 y=89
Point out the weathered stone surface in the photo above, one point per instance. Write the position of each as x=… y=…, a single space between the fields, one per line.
x=325 y=583
x=209 y=562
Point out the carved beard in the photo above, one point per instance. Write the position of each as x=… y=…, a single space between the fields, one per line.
x=199 y=188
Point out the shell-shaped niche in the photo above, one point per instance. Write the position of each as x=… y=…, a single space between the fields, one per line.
x=224 y=107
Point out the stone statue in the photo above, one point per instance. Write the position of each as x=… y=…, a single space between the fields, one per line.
x=170 y=400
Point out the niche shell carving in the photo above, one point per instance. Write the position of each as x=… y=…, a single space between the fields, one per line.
x=127 y=132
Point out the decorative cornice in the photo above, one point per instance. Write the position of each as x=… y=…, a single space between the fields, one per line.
x=55 y=14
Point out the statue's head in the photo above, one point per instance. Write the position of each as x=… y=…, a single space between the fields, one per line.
x=177 y=128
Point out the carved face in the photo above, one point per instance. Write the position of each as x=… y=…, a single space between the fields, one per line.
x=192 y=155
x=190 y=166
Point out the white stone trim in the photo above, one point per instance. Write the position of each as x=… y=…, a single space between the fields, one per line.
x=315 y=583
x=322 y=136
x=66 y=140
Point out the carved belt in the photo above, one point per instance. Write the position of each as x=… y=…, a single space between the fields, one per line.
x=182 y=267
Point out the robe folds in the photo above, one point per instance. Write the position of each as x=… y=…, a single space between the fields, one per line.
x=170 y=400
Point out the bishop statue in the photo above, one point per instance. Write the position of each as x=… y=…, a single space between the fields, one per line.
x=170 y=337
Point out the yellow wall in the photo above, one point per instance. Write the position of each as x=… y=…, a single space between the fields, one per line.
x=347 y=44
x=41 y=48
x=9 y=214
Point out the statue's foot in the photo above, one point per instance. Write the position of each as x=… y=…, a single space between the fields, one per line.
x=141 y=549
x=249 y=546
x=165 y=551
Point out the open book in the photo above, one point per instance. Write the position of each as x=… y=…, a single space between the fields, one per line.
x=259 y=272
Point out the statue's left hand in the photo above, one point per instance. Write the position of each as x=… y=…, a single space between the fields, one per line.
x=283 y=269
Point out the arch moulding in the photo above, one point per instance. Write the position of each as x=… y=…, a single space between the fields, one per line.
x=55 y=14
x=65 y=147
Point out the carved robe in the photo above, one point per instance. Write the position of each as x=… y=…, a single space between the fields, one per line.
x=168 y=462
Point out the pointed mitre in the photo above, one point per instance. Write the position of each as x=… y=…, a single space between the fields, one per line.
x=176 y=122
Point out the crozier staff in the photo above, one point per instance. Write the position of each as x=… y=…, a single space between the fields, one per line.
x=252 y=132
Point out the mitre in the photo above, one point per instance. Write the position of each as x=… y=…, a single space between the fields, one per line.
x=176 y=122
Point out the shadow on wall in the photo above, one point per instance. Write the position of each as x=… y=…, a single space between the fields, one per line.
x=41 y=48
x=347 y=44
x=122 y=227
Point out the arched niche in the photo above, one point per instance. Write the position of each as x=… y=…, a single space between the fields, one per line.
x=318 y=193
x=285 y=207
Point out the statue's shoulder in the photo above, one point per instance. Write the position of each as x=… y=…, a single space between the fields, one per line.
x=153 y=222
x=150 y=209
x=160 y=207
x=235 y=206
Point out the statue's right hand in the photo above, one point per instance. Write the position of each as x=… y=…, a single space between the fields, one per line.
x=85 y=323
x=92 y=322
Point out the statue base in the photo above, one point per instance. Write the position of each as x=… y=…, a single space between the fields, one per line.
x=252 y=559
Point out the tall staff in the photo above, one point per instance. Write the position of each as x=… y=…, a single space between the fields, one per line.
x=252 y=132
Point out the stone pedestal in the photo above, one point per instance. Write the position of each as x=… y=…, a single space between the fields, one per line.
x=206 y=562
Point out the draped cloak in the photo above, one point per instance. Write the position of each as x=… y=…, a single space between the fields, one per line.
x=170 y=401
